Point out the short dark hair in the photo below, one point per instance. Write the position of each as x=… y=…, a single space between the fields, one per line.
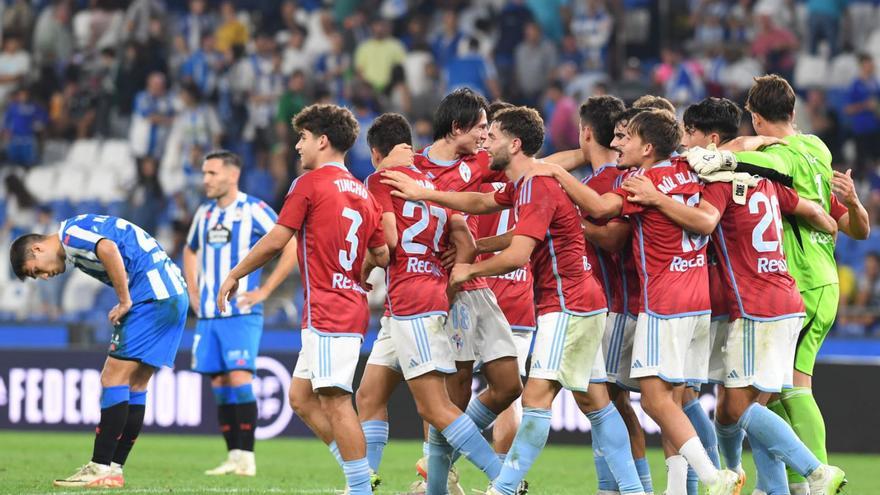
x=387 y=131
x=228 y=157
x=863 y=57
x=659 y=128
x=772 y=98
x=495 y=107
x=714 y=115
x=625 y=116
x=653 y=102
x=20 y=252
x=333 y=121
x=600 y=114
x=461 y=109
x=525 y=124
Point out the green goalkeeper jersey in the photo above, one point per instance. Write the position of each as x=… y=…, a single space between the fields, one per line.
x=804 y=163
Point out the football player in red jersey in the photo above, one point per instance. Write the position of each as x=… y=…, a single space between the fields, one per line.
x=337 y=224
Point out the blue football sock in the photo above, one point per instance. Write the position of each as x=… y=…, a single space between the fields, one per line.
x=644 y=471
x=481 y=415
x=764 y=427
x=772 y=478
x=528 y=443
x=426 y=449
x=334 y=449
x=439 y=462
x=502 y=457
x=357 y=475
x=730 y=444
x=606 y=479
x=376 y=435
x=609 y=433
x=705 y=429
x=693 y=482
x=464 y=436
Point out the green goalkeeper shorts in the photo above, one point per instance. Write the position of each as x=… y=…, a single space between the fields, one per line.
x=821 y=304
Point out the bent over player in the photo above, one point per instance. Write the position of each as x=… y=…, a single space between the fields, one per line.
x=147 y=323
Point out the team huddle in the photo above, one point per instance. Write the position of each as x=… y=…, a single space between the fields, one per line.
x=688 y=256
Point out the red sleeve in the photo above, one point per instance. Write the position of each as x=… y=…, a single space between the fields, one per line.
x=504 y=196
x=788 y=199
x=380 y=192
x=377 y=237
x=297 y=203
x=837 y=208
x=718 y=195
x=536 y=210
x=628 y=208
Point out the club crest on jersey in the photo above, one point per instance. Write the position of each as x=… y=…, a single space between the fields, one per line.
x=465 y=172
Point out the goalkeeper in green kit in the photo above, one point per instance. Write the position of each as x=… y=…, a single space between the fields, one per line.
x=804 y=163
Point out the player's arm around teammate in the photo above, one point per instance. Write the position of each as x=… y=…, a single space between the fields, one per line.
x=854 y=222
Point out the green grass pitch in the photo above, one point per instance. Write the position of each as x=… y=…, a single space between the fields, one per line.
x=174 y=464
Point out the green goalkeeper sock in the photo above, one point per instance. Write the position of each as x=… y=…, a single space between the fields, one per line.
x=806 y=420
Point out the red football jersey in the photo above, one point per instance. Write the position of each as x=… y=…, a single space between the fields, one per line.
x=415 y=267
x=336 y=220
x=671 y=261
x=545 y=213
x=718 y=294
x=515 y=290
x=462 y=175
x=749 y=240
x=606 y=267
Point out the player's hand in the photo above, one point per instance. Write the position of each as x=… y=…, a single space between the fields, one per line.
x=843 y=186
x=406 y=187
x=461 y=273
x=118 y=312
x=400 y=156
x=641 y=190
x=543 y=169
x=447 y=258
x=251 y=298
x=226 y=292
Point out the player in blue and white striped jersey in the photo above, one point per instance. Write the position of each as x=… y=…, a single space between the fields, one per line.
x=147 y=322
x=227 y=342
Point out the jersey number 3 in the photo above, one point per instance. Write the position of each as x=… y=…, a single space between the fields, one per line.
x=347 y=258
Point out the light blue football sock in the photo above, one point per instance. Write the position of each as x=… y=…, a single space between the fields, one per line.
x=644 y=470
x=464 y=436
x=439 y=462
x=606 y=479
x=334 y=449
x=693 y=482
x=609 y=433
x=376 y=435
x=357 y=475
x=730 y=444
x=705 y=429
x=764 y=427
x=482 y=417
x=528 y=443
x=772 y=478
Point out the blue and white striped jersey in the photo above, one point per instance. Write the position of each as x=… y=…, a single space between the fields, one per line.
x=222 y=237
x=151 y=273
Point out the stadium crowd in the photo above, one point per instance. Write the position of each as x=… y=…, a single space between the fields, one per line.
x=109 y=105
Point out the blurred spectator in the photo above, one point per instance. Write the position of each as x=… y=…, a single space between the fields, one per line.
x=358 y=156
x=320 y=29
x=864 y=113
x=823 y=122
x=296 y=58
x=140 y=15
x=73 y=110
x=289 y=18
x=18 y=19
x=562 y=120
x=592 y=26
x=680 y=78
x=292 y=101
x=738 y=72
x=375 y=57
x=15 y=64
x=258 y=77
x=570 y=54
x=195 y=131
x=632 y=83
x=196 y=24
x=21 y=205
x=53 y=41
x=98 y=26
x=549 y=15
x=397 y=97
x=131 y=76
x=334 y=67
x=146 y=200
x=23 y=123
x=862 y=314
x=511 y=24
x=231 y=31
x=536 y=60
x=775 y=46
x=425 y=102
x=470 y=69
x=823 y=18
x=204 y=65
x=445 y=43
x=50 y=291
x=152 y=116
